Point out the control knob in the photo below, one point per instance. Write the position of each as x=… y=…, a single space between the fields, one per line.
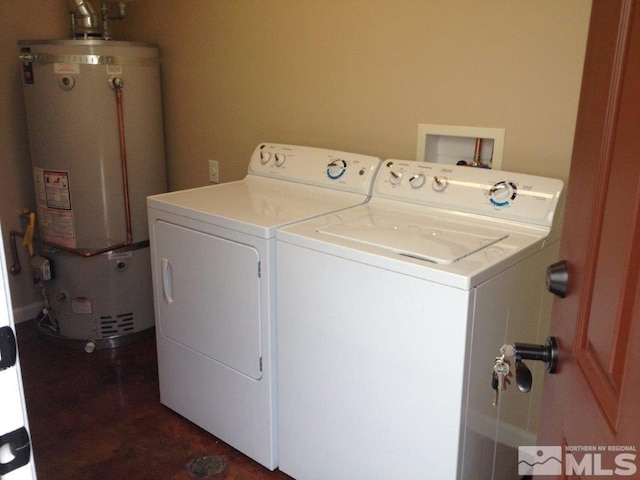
x=336 y=169
x=395 y=177
x=264 y=157
x=440 y=183
x=417 y=180
x=502 y=192
x=280 y=159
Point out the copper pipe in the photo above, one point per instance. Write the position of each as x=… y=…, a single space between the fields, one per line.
x=117 y=85
x=476 y=155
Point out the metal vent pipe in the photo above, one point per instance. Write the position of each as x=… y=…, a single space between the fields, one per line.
x=85 y=13
x=87 y=22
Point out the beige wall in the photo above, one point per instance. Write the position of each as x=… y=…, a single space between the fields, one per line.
x=19 y=20
x=360 y=75
x=356 y=75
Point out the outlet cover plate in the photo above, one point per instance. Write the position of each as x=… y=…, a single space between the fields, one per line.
x=214 y=176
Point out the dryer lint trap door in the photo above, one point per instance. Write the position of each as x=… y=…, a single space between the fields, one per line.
x=210 y=301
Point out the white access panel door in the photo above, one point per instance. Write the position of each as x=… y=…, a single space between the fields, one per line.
x=16 y=459
x=210 y=298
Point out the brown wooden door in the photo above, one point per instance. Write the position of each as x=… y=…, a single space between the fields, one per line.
x=591 y=407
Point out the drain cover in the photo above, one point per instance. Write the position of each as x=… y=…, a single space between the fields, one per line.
x=206 y=466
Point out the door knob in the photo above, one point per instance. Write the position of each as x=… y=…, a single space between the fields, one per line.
x=557 y=278
x=547 y=353
x=524 y=378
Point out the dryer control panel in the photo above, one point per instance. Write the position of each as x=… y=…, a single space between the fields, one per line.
x=496 y=193
x=351 y=172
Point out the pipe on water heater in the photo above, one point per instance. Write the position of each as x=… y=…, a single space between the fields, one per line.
x=83 y=10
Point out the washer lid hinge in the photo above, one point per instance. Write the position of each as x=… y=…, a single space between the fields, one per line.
x=261 y=364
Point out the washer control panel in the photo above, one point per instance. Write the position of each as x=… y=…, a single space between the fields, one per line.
x=508 y=195
x=351 y=172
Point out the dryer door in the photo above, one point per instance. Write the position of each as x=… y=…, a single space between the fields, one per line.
x=208 y=295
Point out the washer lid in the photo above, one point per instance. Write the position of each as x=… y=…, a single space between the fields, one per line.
x=439 y=241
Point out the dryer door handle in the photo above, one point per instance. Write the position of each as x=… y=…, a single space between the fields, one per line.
x=167 y=281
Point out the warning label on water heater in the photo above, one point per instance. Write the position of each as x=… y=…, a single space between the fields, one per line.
x=56 y=188
x=53 y=198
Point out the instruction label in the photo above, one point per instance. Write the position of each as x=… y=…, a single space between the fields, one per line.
x=66 y=68
x=82 y=306
x=56 y=186
x=53 y=200
x=114 y=69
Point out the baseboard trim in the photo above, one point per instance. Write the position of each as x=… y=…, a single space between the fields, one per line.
x=27 y=312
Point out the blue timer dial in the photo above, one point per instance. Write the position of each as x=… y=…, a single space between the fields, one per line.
x=503 y=193
x=336 y=169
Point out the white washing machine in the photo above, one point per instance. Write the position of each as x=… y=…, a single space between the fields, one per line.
x=390 y=316
x=213 y=254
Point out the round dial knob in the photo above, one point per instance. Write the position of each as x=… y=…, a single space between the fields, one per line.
x=395 y=177
x=417 y=180
x=502 y=193
x=264 y=157
x=280 y=159
x=440 y=183
x=336 y=168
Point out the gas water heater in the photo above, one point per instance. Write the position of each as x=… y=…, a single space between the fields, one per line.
x=94 y=118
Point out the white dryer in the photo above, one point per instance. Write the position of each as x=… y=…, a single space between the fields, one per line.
x=213 y=262
x=390 y=316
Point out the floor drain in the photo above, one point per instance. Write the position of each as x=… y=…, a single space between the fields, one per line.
x=206 y=466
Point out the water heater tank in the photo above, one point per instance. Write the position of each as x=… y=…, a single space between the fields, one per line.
x=94 y=118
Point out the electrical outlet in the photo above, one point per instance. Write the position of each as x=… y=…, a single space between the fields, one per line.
x=213 y=171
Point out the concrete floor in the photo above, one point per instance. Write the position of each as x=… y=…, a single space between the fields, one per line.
x=98 y=416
